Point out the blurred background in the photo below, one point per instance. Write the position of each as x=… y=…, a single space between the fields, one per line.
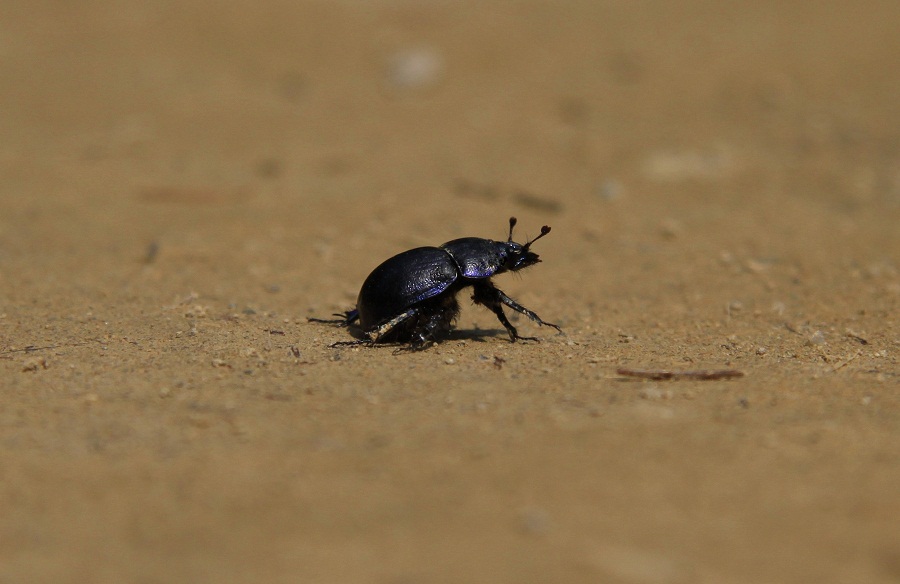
x=180 y=179
x=344 y=125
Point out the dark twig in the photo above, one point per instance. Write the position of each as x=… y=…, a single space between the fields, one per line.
x=668 y=375
x=32 y=348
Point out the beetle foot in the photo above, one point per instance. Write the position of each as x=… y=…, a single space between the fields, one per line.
x=515 y=336
x=551 y=325
x=346 y=318
x=512 y=331
x=413 y=347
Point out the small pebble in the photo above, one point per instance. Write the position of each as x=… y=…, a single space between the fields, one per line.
x=817 y=338
x=34 y=364
x=653 y=393
x=609 y=190
x=413 y=69
x=534 y=521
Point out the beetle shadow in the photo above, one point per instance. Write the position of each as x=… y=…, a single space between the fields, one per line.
x=356 y=332
x=476 y=335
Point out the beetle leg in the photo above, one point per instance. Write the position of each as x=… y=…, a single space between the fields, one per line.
x=486 y=294
x=529 y=313
x=416 y=344
x=381 y=331
x=513 y=333
x=372 y=337
x=346 y=318
x=433 y=322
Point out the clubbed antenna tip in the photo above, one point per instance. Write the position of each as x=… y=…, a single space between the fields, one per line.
x=512 y=223
x=544 y=231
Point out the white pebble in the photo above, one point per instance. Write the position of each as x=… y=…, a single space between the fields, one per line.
x=413 y=69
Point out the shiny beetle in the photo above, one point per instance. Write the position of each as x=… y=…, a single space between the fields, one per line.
x=411 y=297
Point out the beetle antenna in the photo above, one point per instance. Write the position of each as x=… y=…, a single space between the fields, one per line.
x=512 y=223
x=544 y=231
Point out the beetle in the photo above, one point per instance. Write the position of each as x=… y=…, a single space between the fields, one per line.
x=411 y=297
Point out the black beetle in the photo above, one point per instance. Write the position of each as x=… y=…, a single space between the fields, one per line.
x=411 y=297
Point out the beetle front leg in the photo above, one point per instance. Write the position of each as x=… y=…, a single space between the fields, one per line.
x=488 y=295
x=513 y=333
x=529 y=313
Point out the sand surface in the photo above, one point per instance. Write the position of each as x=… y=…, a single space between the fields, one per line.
x=182 y=184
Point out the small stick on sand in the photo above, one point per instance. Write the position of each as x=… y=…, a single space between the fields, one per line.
x=667 y=375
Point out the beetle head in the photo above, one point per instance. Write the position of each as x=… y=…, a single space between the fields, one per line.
x=520 y=255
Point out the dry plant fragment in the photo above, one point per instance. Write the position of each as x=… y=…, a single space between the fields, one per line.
x=34 y=364
x=669 y=375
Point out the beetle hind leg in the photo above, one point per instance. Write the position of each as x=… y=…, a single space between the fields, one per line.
x=434 y=323
x=419 y=326
x=394 y=329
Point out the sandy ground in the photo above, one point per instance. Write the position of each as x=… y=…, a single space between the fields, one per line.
x=182 y=185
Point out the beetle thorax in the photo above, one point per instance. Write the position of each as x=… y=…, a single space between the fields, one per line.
x=480 y=258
